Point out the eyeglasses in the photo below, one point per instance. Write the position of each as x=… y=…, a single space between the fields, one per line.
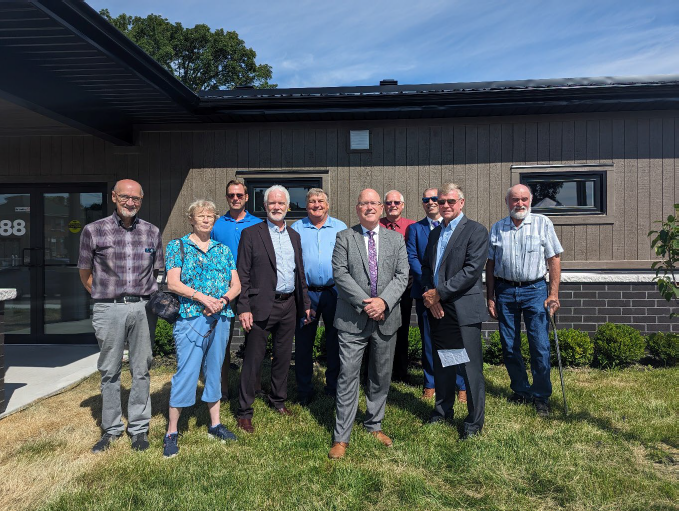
x=371 y=203
x=451 y=202
x=427 y=199
x=232 y=195
x=124 y=198
x=313 y=202
x=204 y=217
x=394 y=202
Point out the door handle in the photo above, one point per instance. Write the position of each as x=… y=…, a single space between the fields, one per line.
x=28 y=261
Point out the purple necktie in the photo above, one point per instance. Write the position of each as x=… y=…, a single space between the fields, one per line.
x=436 y=223
x=372 y=263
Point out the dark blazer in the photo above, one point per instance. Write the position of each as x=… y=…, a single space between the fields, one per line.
x=416 y=245
x=462 y=265
x=257 y=272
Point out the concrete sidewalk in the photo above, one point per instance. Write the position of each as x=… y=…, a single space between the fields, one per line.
x=37 y=371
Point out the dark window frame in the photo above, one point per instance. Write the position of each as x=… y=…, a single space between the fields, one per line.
x=287 y=182
x=600 y=191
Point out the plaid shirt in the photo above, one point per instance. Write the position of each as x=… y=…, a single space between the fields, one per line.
x=122 y=260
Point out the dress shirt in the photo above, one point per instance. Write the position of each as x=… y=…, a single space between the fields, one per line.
x=285 y=258
x=366 y=238
x=317 y=247
x=520 y=253
x=400 y=226
x=431 y=223
x=444 y=238
x=122 y=259
x=227 y=230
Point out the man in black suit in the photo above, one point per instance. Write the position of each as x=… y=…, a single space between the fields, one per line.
x=273 y=295
x=451 y=272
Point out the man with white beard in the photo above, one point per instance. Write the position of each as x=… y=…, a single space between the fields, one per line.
x=522 y=248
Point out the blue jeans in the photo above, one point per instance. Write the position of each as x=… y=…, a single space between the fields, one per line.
x=529 y=300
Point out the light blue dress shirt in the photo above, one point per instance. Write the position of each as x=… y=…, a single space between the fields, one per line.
x=227 y=230
x=444 y=238
x=317 y=247
x=285 y=258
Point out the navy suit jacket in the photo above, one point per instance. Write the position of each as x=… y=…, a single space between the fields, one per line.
x=416 y=245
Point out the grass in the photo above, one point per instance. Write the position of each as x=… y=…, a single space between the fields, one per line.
x=617 y=450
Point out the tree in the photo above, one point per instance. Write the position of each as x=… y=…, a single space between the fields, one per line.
x=666 y=246
x=198 y=57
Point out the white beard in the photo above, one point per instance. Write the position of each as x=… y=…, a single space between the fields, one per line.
x=519 y=215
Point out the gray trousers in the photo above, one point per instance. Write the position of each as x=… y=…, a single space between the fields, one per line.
x=113 y=324
x=351 y=347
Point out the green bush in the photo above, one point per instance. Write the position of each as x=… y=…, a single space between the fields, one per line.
x=577 y=349
x=618 y=345
x=164 y=342
x=664 y=347
x=320 y=349
x=414 y=344
x=492 y=349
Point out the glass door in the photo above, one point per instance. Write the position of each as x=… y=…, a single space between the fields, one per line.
x=39 y=256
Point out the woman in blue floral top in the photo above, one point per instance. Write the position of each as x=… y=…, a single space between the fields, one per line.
x=206 y=282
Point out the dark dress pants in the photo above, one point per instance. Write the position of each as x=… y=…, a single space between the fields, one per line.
x=324 y=303
x=400 y=369
x=447 y=333
x=281 y=325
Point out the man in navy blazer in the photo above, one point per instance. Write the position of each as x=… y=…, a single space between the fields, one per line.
x=416 y=244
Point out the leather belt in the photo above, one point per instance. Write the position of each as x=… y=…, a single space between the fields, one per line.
x=320 y=288
x=519 y=284
x=122 y=299
x=282 y=296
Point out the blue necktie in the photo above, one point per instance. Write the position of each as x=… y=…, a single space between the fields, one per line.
x=436 y=223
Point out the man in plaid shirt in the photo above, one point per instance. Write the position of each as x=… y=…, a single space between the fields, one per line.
x=120 y=256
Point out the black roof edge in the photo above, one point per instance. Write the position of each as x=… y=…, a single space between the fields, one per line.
x=551 y=83
x=83 y=20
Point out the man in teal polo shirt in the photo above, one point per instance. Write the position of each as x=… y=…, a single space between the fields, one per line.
x=228 y=229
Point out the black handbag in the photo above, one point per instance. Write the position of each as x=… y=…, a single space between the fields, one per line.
x=164 y=304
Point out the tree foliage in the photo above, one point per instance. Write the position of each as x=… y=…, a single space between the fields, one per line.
x=665 y=242
x=200 y=58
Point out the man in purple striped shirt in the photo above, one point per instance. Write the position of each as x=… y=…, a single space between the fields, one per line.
x=119 y=259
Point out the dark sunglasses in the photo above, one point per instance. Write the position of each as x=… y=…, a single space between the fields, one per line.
x=427 y=199
x=232 y=195
x=451 y=202
x=394 y=202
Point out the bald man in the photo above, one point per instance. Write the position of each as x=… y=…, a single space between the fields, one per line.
x=119 y=259
x=523 y=248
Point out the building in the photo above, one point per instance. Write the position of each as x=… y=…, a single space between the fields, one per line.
x=81 y=107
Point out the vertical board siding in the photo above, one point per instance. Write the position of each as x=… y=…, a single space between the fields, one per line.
x=177 y=167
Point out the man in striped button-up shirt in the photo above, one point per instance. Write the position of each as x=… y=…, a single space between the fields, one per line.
x=523 y=247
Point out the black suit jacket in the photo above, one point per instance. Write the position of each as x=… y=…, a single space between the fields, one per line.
x=460 y=273
x=257 y=272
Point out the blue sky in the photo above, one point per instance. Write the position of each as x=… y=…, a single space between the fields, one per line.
x=349 y=42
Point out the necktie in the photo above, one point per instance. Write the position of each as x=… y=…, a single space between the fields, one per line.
x=436 y=223
x=392 y=226
x=372 y=263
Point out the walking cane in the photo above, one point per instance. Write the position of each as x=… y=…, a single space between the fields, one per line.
x=558 y=358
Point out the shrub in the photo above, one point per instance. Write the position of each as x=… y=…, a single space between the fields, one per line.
x=414 y=344
x=664 y=347
x=492 y=349
x=617 y=345
x=164 y=341
x=577 y=349
x=319 y=349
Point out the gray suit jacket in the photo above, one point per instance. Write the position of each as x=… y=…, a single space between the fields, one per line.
x=351 y=272
x=462 y=264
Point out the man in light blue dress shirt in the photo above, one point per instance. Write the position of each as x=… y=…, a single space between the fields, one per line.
x=317 y=232
x=522 y=248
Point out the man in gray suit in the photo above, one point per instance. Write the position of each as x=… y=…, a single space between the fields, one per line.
x=370 y=269
x=451 y=275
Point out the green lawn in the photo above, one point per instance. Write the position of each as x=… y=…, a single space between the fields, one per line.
x=617 y=450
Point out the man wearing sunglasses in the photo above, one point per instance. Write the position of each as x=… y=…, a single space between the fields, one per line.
x=227 y=230
x=393 y=208
x=451 y=274
x=416 y=244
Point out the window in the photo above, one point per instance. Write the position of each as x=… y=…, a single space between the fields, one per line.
x=568 y=193
x=359 y=140
x=297 y=187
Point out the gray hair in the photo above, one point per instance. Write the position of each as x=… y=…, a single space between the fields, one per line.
x=313 y=192
x=200 y=205
x=509 y=190
x=447 y=188
x=394 y=191
x=277 y=188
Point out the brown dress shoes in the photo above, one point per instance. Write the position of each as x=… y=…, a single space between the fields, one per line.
x=382 y=438
x=338 y=450
x=283 y=411
x=246 y=425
